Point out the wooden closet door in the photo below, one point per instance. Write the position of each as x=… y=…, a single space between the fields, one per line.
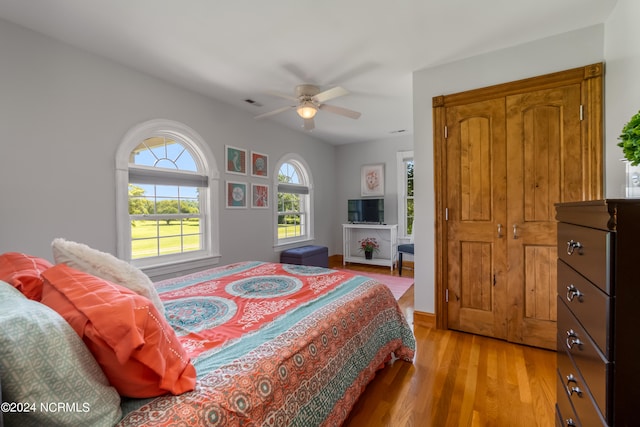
x=476 y=192
x=544 y=153
x=505 y=154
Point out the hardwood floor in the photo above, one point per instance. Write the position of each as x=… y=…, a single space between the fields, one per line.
x=458 y=379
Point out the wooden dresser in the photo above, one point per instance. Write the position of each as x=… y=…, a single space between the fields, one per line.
x=598 y=313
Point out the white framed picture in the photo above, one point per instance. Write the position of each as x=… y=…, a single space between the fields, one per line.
x=259 y=196
x=372 y=180
x=235 y=160
x=236 y=195
x=259 y=165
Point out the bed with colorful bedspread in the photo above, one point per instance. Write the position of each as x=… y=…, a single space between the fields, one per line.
x=275 y=345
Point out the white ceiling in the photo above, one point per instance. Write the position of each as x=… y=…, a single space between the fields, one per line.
x=238 y=49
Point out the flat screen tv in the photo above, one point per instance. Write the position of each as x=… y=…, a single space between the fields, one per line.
x=366 y=211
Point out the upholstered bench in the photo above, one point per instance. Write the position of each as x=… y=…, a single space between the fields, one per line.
x=306 y=255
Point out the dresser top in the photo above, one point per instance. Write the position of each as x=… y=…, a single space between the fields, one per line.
x=603 y=214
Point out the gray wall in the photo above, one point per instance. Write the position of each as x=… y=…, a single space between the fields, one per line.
x=63 y=113
x=350 y=158
x=622 y=94
x=564 y=51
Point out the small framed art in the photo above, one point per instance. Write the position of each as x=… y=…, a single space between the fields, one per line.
x=235 y=159
x=259 y=165
x=259 y=196
x=236 y=194
x=372 y=180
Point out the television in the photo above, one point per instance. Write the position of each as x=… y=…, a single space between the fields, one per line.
x=366 y=211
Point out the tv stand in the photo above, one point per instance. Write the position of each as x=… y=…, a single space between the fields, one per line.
x=385 y=234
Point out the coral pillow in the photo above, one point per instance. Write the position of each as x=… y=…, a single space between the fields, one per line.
x=135 y=346
x=23 y=273
x=105 y=266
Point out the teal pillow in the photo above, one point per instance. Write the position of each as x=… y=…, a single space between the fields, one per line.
x=47 y=370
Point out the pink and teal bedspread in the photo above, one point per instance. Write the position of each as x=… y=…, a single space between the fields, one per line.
x=275 y=345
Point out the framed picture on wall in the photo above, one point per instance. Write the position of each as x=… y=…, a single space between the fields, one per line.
x=259 y=165
x=372 y=180
x=236 y=194
x=259 y=196
x=235 y=159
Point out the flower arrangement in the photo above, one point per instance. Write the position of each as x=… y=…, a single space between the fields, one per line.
x=369 y=244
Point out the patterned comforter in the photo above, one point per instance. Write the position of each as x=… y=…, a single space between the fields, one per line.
x=275 y=345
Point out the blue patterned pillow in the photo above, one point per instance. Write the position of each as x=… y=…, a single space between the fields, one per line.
x=49 y=377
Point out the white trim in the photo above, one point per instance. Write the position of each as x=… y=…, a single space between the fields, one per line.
x=401 y=157
x=205 y=161
x=307 y=178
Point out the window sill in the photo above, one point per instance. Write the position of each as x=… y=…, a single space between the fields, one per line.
x=279 y=247
x=179 y=268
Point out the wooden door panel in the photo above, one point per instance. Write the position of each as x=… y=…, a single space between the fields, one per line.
x=543 y=151
x=476 y=191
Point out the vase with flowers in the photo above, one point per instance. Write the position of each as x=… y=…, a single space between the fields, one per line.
x=369 y=245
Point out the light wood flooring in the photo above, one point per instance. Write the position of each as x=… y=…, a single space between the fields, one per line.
x=458 y=379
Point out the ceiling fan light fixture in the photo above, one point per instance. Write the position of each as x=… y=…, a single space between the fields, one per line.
x=307 y=110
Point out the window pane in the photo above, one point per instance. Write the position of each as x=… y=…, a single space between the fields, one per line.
x=163 y=153
x=170 y=245
x=288 y=173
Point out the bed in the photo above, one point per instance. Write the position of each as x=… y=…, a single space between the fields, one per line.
x=271 y=345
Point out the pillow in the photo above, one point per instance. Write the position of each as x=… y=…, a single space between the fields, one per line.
x=44 y=363
x=106 y=266
x=137 y=349
x=23 y=272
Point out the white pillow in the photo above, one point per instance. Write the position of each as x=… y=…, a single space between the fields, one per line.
x=107 y=267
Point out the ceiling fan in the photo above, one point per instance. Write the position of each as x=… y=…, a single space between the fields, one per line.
x=309 y=100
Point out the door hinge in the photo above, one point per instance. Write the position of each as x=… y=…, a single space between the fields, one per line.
x=446 y=132
x=446 y=214
x=581 y=112
x=446 y=295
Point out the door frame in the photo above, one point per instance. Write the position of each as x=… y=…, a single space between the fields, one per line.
x=590 y=78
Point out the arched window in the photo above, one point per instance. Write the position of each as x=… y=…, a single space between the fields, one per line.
x=294 y=210
x=166 y=192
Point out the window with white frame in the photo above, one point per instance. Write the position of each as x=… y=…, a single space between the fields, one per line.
x=294 y=206
x=405 y=193
x=167 y=188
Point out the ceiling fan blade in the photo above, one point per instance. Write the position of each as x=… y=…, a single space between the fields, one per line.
x=339 y=110
x=281 y=95
x=309 y=124
x=330 y=94
x=274 y=112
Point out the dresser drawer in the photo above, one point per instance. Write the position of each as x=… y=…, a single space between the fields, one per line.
x=566 y=414
x=593 y=366
x=589 y=304
x=587 y=250
x=578 y=393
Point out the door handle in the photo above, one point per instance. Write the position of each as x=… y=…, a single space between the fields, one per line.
x=515 y=231
x=499 y=231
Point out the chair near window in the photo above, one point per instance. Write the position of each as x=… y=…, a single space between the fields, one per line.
x=403 y=249
x=406 y=248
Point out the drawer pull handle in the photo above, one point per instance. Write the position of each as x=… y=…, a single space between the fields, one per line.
x=575 y=390
x=571 y=379
x=570 y=423
x=572 y=339
x=573 y=292
x=572 y=245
